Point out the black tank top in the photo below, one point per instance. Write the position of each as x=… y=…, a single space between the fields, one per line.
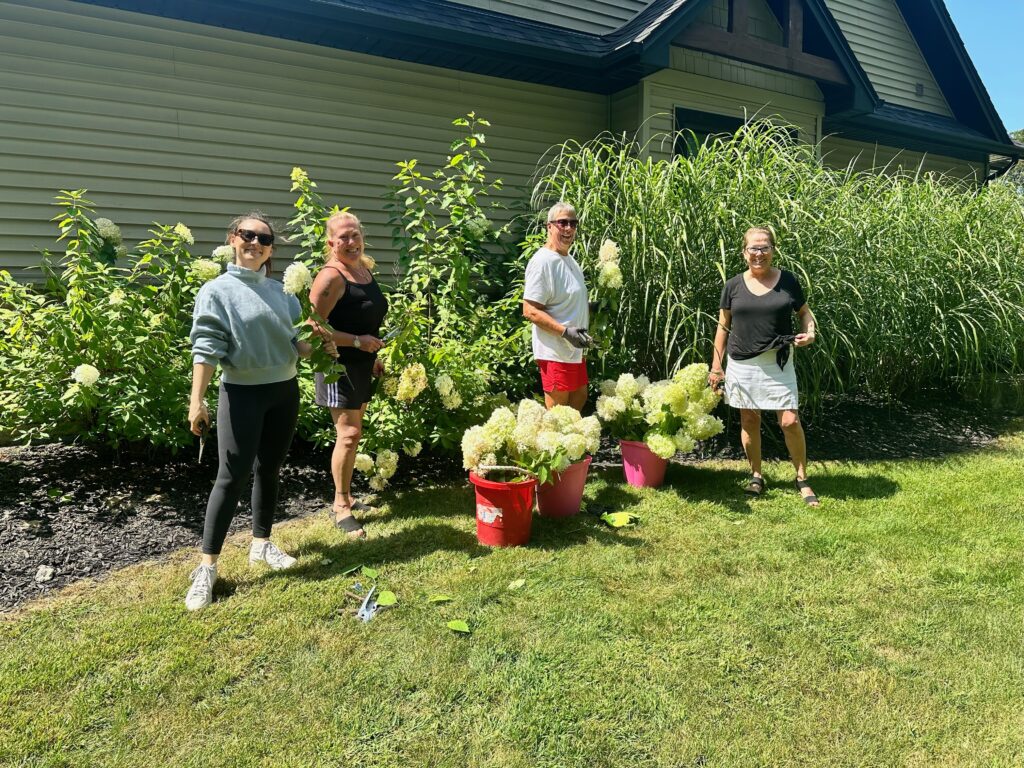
x=360 y=310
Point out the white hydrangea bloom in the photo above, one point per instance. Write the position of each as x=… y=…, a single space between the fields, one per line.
x=590 y=428
x=575 y=446
x=549 y=441
x=609 y=252
x=116 y=297
x=108 y=230
x=205 y=270
x=610 y=276
x=412 y=381
x=184 y=233
x=223 y=254
x=156 y=320
x=561 y=418
x=705 y=426
x=390 y=386
x=297 y=279
x=444 y=385
x=414 y=449
x=500 y=426
x=120 y=251
x=643 y=383
x=86 y=375
x=387 y=463
x=475 y=446
x=377 y=483
x=627 y=387
x=694 y=378
x=610 y=407
x=530 y=412
x=451 y=401
x=364 y=463
x=660 y=444
x=684 y=441
x=608 y=387
x=525 y=437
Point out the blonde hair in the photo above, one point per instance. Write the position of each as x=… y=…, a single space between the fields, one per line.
x=759 y=231
x=337 y=217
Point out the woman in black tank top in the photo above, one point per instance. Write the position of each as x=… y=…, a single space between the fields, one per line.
x=345 y=292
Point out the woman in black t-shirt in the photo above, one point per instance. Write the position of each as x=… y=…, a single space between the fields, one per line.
x=345 y=293
x=756 y=318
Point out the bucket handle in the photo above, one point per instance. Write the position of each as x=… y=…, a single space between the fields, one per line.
x=484 y=469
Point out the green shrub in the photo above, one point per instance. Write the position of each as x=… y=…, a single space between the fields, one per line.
x=102 y=352
x=916 y=281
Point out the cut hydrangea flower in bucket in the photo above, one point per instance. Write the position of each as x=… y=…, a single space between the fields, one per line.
x=511 y=452
x=655 y=420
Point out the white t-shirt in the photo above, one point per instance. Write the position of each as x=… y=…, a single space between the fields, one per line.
x=556 y=281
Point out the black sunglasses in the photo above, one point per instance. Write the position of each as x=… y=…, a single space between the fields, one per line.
x=564 y=223
x=248 y=235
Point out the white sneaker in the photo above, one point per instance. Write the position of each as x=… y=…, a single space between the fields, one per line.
x=266 y=552
x=200 y=594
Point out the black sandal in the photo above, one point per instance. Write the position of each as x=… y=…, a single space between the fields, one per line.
x=348 y=524
x=755 y=486
x=811 y=500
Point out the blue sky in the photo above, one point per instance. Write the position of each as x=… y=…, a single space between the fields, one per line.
x=993 y=31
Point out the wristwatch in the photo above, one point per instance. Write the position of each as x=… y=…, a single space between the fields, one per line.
x=355 y=342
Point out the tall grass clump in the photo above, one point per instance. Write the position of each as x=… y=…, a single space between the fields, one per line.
x=917 y=281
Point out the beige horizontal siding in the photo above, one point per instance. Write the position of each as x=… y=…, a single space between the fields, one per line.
x=598 y=16
x=730 y=88
x=887 y=51
x=625 y=111
x=841 y=153
x=170 y=121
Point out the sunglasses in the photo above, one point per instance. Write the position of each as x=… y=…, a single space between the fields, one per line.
x=565 y=223
x=248 y=235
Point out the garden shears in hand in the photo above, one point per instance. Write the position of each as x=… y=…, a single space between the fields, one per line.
x=203 y=431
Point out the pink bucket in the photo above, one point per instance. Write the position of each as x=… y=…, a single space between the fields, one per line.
x=562 y=497
x=643 y=468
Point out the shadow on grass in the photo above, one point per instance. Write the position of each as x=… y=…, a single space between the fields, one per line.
x=838 y=485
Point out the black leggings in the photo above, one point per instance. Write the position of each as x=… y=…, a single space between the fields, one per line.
x=255 y=424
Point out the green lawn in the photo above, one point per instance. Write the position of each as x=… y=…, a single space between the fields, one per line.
x=882 y=629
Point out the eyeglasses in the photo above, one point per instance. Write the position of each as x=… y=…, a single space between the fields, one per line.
x=760 y=249
x=565 y=223
x=248 y=235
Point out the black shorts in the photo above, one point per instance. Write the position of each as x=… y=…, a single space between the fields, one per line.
x=351 y=391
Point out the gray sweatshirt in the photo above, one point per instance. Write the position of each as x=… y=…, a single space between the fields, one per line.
x=246 y=322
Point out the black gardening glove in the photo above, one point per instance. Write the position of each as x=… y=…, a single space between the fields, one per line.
x=578 y=337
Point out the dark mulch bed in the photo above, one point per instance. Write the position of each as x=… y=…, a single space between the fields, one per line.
x=84 y=513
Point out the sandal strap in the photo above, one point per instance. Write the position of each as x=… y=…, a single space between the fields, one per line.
x=801 y=484
x=348 y=524
x=754 y=480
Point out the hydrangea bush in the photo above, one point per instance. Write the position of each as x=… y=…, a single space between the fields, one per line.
x=101 y=352
x=540 y=441
x=670 y=416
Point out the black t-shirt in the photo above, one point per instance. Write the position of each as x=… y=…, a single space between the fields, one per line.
x=758 y=320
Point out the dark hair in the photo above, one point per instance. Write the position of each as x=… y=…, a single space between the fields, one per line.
x=258 y=216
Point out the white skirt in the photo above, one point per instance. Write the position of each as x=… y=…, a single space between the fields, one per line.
x=758 y=384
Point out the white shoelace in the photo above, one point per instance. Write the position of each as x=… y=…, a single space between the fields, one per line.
x=274 y=557
x=202 y=580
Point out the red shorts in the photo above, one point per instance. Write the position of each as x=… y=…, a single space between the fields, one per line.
x=563 y=377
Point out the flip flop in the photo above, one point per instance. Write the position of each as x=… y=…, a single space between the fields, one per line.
x=358 y=506
x=348 y=524
x=812 y=500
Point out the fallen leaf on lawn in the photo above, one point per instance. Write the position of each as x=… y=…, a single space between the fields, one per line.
x=369 y=573
x=459 y=626
x=517 y=584
x=439 y=599
x=386 y=597
x=620 y=519
x=353 y=569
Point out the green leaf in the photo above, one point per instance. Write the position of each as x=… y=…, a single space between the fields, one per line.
x=620 y=519
x=386 y=598
x=369 y=573
x=517 y=584
x=459 y=626
x=351 y=570
x=440 y=599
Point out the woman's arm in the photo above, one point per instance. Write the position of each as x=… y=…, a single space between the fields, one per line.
x=535 y=312
x=721 y=337
x=202 y=374
x=807 y=327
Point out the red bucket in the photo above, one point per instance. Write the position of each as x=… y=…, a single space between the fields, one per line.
x=642 y=466
x=563 y=496
x=504 y=511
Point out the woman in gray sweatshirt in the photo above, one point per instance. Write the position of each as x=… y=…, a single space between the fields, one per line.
x=245 y=323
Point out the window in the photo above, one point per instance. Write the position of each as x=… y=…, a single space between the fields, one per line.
x=702 y=125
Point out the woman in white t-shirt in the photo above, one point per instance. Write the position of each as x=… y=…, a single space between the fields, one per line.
x=555 y=301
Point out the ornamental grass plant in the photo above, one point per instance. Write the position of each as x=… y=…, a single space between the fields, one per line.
x=917 y=280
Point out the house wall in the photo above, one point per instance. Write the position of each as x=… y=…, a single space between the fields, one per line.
x=841 y=153
x=170 y=121
x=598 y=16
x=723 y=86
x=881 y=41
x=761 y=22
